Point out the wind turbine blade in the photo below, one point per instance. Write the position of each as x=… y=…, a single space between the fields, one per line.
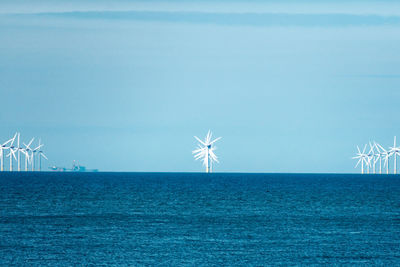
x=12 y=153
x=38 y=147
x=358 y=149
x=7 y=142
x=358 y=162
x=213 y=156
x=30 y=142
x=13 y=139
x=199 y=156
x=43 y=155
x=200 y=141
x=215 y=159
x=215 y=140
x=377 y=147
x=384 y=150
x=371 y=150
x=365 y=147
x=196 y=151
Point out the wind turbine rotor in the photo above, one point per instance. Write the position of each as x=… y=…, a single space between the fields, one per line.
x=205 y=151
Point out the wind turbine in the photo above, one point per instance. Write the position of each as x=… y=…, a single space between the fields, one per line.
x=381 y=153
x=41 y=154
x=12 y=152
x=4 y=147
x=362 y=157
x=377 y=157
x=395 y=151
x=27 y=149
x=19 y=149
x=386 y=155
x=373 y=157
x=370 y=158
x=33 y=155
x=205 y=151
x=11 y=155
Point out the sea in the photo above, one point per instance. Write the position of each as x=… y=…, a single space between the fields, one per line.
x=198 y=219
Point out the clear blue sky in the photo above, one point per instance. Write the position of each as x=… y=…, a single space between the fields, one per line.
x=291 y=86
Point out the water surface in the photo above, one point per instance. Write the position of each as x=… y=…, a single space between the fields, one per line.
x=198 y=219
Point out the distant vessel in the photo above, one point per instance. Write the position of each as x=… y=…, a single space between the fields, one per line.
x=75 y=168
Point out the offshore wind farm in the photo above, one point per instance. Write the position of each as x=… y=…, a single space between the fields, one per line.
x=226 y=132
x=15 y=147
x=376 y=153
x=205 y=152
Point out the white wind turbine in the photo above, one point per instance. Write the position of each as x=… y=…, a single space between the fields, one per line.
x=381 y=154
x=27 y=150
x=41 y=154
x=373 y=156
x=377 y=157
x=19 y=149
x=362 y=157
x=395 y=151
x=26 y=154
x=370 y=159
x=4 y=147
x=12 y=152
x=205 y=151
x=386 y=155
x=34 y=151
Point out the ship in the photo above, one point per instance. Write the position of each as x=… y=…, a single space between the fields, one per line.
x=76 y=167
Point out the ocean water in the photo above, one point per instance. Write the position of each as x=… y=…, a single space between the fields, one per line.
x=174 y=219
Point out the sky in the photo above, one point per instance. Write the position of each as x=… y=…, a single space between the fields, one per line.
x=291 y=86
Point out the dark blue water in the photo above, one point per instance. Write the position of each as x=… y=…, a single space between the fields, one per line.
x=197 y=219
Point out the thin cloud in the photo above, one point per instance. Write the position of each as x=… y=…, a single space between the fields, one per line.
x=233 y=19
x=379 y=8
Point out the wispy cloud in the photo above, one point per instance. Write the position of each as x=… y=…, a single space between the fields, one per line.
x=355 y=7
x=234 y=19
